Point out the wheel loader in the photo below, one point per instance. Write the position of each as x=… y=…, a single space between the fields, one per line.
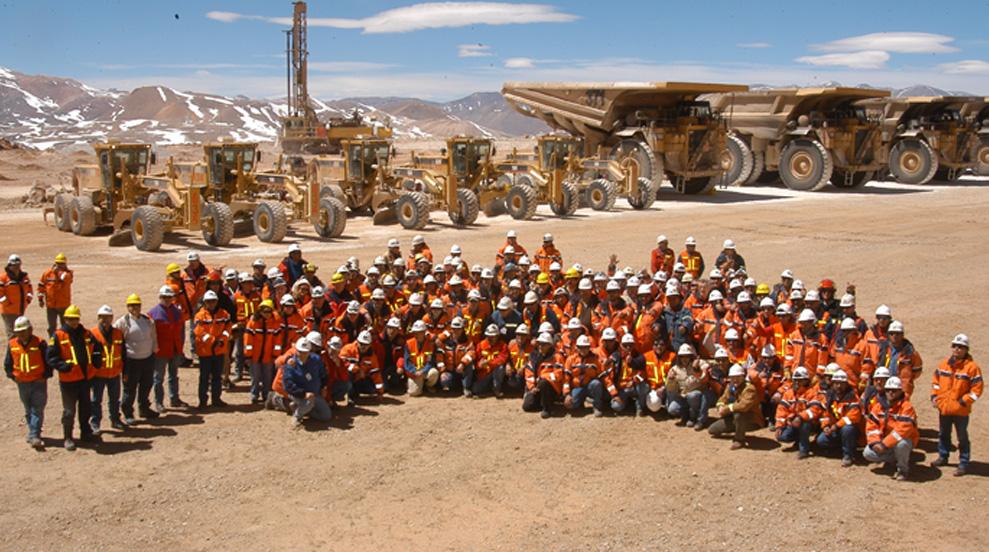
x=811 y=136
x=462 y=180
x=664 y=126
x=119 y=192
x=927 y=137
x=237 y=191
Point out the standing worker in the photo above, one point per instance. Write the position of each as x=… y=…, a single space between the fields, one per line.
x=691 y=258
x=957 y=384
x=212 y=334
x=183 y=298
x=107 y=377
x=169 y=327
x=73 y=352
x=55 y=292
x=140 y=346
x=16 y=293
x=26 y=364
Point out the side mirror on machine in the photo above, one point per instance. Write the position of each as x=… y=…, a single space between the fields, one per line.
x=154 y=158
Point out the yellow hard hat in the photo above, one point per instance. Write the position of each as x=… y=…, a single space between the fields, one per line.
x=337 y=278
x=311 y=268
x=762 y=289
x=172 y=268
x=72 y=312
x=572 y=274
x=133 y=299
x=60 y=258
x=543 y=278
x=267 y=304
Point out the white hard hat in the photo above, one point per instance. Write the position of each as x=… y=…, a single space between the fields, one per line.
x=660 y=276
x=13 y=260
x=555 y=267
x=653 y=401
x=847 y=300
x=192 y=256
x=400 y=263
x=574 y=324
x=720 y=353
x=798 y=284
x=230 y=274
x=456 y=280
x=672 y=291
x=732 y=335
x=448 y=260
x=509 y=250
x=883 y=310
x=848 y=324
x=388 y=280
x=531 y=298
x=895 y=327
x=259 y=263
x=315 y=338
x=394 y=323
x=491 y=330
x=807 y=315
x=472 y=294
x=302 y=345
x=166 y=291
x=796 y=294
x=415 y=299
x=812 y=295
x=784 y=309
x=505 y=303
x=378 y=294
x=457 y=323
x=436 y=303
x=679 y=267
x=547 y=238
x=293 y=248
x=487 y=274
x=685 y=350
x=893 y=383
x=545 y=327
x=335 y=343
x=600 y=277
x=881 y=372
x=715 y=295
x=715 y=274
x=22 y=323
x=619 y=276
x=524 y=260
x=585 y=284
x=661 y=238
x=831 y=368
x=394 y=243
x=522 y=329
x=750 y=282
x=105 y=310
x=728 y=245
x=545 y=338
x=511 y=234
x=633 y=282
x=609 y=334
x=839 y=375
x=287 y=299
x=612 y=285
x=690 y=241
x=628 y=339
x=515 y=284
x=766 y=302
x=418 y=240
x=736 y=370
x=364 y=338
x=428 y=279
x=244 y=277
x=768 y=351
x=787 y=273
x=353 y=307
x=273 y=272
x=419 y=326
x=960 y=339
x=801 y=373
x=534 y=269
x=644 y=289
x=744 y=297
x=583 y=341
x=455 y=250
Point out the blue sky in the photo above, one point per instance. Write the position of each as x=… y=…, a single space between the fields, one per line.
x=446 y=50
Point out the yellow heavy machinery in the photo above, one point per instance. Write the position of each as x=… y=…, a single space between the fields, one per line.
x=669 y=131
x=119 y=192
x=810 y=135
x=237 y=190
x=978 y=113
x=360 y=177
x=927 y=137
x=546 y=176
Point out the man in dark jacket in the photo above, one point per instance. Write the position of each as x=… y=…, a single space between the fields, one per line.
x=73 y=353
x=303 y=378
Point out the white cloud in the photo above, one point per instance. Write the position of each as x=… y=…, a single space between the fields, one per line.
x=966 y=67
x=430 y=15
x=520 y=63
x=900 y=43
x=473 y=50
x=869 y=59
x=754 y=45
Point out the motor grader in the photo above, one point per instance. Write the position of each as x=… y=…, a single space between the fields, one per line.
x=360 y=177
x=545 y=176
x=811 y=136
x=118 y=192
x=664 y=126
x=462 y=180
x=927 y=137
x=237 y=191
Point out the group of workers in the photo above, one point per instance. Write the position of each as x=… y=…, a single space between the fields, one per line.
x=713 y=349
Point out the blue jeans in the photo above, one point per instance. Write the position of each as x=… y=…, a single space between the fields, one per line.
x=960 y=423
x=34 y=397
x=112 y=388
x=635 y=394
x=316 y=408
x=801 y=436
x=594 y=390
x=846 y=437
x=210 y=378
x=262 y=374
x=173 y=378
x=491 y=382
x=708 y=399
x=685 y=407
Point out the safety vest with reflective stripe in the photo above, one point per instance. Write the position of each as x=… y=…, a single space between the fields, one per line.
x=113 y=353
x=68 y=354
x=29 y=361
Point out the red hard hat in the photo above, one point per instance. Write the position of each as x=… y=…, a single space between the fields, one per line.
x=215 y=276
x=827 y=283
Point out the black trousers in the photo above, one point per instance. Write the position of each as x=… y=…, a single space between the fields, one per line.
x=210 y=378
x=75 y=400
x=138 y=378
x=544 y=397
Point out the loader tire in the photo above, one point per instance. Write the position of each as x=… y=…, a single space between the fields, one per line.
x=649 y=166
x=332 y=218
x=467 y=208
x=981 y=157
x=521 y=202
x=738 y=158
x=270 y=221
x=412 y=210
x=758 y=168
x=571 y=201
x=63 y=220
x=805 y=165
x=217 y=224
x=601 y=195
x=646 y=197
x=147 y=229
x=82 y=216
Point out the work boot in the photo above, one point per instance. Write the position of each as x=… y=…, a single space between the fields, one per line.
x=202 y=405
x=36 y=443
x=639 y=413
x=544 y=414
x=468 y=394
x=690 y=423
x=846 y=461
x=159 y=408
x=699 y=426
x=90 y=437
x=900 y=476
x=96 y=429
x=149 y=414
x=177 y=403
x=960 y=471
x=939 y=461
x=130 y=420
x=69 y=444
x=296 y=424
x=598 y=413
x=117 y=424
x=218 y=403
x=803 y=455
x=735 y=445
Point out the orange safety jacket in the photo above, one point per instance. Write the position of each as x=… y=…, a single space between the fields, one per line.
x=549 y=369
x=518 y=355
x=807 y=403
x=956 y=386
x=212 y=332
x=545 y=256
x=904 y=362
x=892 y=424
x=809 y=351
x=29 y=360
x=247 y=305
x=854 y=360
x=363 y=365
x=55 y=288
x=579 y=371
x=184 y=297
x=15 y=293
x=658 y=367
x=68 y=355
x=494 y=355
x=694 y=262
x=419 y=355
x=842 y=411
x=113 y=353
x=263 y=339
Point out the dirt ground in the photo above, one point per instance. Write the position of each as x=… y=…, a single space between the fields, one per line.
x=439 y=473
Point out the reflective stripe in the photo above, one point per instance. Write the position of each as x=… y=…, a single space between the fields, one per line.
x=974 y=397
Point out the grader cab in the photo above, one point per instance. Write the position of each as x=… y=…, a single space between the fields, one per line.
x=120 y=193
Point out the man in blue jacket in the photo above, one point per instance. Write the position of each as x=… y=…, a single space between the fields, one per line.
x=303 y=377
